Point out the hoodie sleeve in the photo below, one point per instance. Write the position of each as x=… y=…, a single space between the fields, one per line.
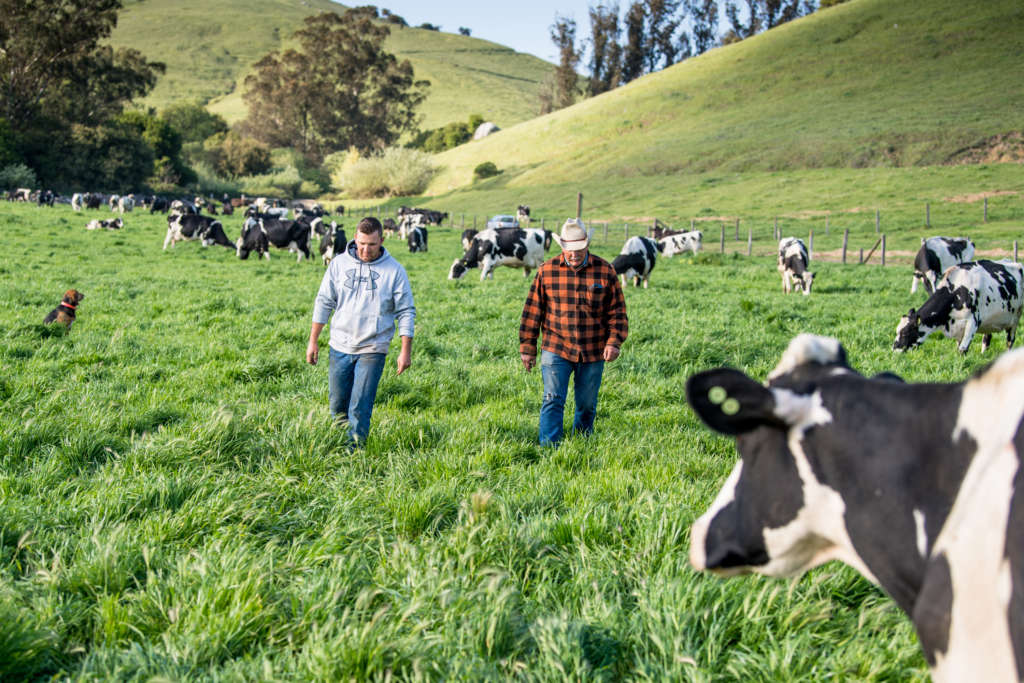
x=326 y=299
x=405 y=309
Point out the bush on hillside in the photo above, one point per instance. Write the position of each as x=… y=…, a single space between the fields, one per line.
x=446 y=137
x=485 y=170
x=17 y=175
x=396 y=171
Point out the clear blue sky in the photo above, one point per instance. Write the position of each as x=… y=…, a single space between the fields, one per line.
x=522 y=25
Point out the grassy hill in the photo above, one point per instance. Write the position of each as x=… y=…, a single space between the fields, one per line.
x=209 y=46
x=869 y=84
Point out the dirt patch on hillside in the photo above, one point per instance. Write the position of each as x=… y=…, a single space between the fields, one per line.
x=1005 y=148
x=978 y=196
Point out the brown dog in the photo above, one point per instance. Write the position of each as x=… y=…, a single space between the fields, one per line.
x=65 y=311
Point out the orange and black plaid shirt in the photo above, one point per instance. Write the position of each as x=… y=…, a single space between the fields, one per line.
x=579 y=312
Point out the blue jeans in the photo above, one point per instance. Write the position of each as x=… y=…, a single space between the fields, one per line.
x=352 y=380
x=555 y=371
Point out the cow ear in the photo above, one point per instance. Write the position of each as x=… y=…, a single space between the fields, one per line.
x=730 y=402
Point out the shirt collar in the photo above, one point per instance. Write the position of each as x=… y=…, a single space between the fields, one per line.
x=586 y=260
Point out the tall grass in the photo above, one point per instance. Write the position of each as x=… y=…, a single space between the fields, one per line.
x=175 y=502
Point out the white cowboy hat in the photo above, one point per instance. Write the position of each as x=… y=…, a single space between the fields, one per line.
x=575 y=235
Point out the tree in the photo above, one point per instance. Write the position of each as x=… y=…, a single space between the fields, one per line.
x=340 y=89
x=704 y=15
x=53 y=67
x=464 y=31
x=662 y=24
x=605 y=52
x=634 y=54
x=744 y=30
x=193 y=122
x=563 y=35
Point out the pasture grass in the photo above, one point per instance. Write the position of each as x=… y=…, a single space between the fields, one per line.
x=175 y=502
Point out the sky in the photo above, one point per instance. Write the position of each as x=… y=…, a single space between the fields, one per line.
x=523 y=25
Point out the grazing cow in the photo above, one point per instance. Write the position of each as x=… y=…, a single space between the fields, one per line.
x=109 y=224
x=45 y=198
x=935 y=257
x=636 y=260
x=93 y=200
x=77 y=201
x=523 y=215
x=22 y=194
x=467 y=238
x=126 y=203
x=332 y=243
x=919 y=487
x=308 y=207
x=112 y=201
x=429 y=216
x=260 y=233
x=160 y=204
x=681 y=242
x=512 y=247
x=409 y=221
x=194 y=227
x=389 y=227
x=184 y=207
x=253 y=211
x=417 y=239
x=978 y=296
x=793 y=261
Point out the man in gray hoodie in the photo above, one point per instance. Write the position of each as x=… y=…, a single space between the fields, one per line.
x=365 y=293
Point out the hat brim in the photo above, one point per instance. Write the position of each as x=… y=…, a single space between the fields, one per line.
x=572 y=245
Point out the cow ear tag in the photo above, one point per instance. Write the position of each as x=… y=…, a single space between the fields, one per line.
x=720 y=397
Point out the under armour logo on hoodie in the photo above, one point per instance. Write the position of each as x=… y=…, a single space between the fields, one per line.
x=353 y=279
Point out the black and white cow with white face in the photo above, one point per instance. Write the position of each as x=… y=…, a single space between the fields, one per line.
x=919 y=487
x=182 y=227
x=417 y=239
x=258 y=234
x=332 y=243
x=108 y=224
x=975 y=297
x=936 y=256
x=680 y=243
x=77 y=201
x=636 y=260
x=515 y=248
x=467 y=238
x=793 y=260
x=523 y=215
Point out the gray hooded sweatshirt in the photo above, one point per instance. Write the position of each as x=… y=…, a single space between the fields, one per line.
x=364 y=301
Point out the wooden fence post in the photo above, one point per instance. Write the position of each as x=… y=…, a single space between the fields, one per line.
x=810 y=244
x=878 y=219
x=691 y=224
x=927 y=215
x=846 y=239
x=737 y=229
x=1015 y=251
x=722 y=240
x=826 y=224
x=862 y=255
x=986 y=210
x=605 y=232
x=750 y=239
x=883 y=248
x=579 y=204
x=625 y=230
x=775 y=230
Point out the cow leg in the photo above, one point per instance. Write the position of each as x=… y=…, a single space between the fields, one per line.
x=168 y=240
x=1011 y=334
x=985 y=341
x=969 y=329
x=645 y=282
x=622 y=280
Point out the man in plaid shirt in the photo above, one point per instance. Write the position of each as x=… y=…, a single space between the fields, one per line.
x=577 y=303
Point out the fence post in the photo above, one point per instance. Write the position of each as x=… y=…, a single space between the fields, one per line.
x=846 y=239
x=878 y=219
x=691 y=225
x=750 y=240
x=474 y=222
x=986 y=210
x=810 y=244
x=579 y=204
x=883 y=248
x=1015 y=250
x=722 y=240
x=463 y=220
x=775 y=230
x=928 y=215
x=862 y=255
x=625 y=230
x=737 y=229
x=605 y=232
x=827 y=217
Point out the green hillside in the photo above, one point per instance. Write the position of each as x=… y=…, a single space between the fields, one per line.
x=869 y=83
x=209 y=46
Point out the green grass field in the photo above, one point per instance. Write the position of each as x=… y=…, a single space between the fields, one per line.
x=174 y=502
x=209 y=48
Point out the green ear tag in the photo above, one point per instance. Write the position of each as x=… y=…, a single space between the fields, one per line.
x=731 y=406
x=717 y=394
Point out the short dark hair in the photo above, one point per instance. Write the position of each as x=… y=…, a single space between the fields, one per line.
x=370 y=225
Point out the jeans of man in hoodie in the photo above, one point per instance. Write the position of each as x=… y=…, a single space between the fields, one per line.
x=352 y=380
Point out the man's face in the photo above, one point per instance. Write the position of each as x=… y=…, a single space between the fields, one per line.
x=576 y=258
x=368 y=246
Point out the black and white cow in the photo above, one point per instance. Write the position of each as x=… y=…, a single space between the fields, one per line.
x=161 y=204
x=523 y=215
x=936 y=256
x=108 y=224
x=919 y=487
x=974 y=297
x=93 y=200
x=388 y=227
x=126 y=203
x=46 y=198
x=183 y=207
x=636 y=260
x=515 y=248
x=182 y=227
x=429 y=216
x=793 y=260
x=682 y=242
x=262 y=232
x=77 y=201
x=417 y=239
x=467 y=238
x=332 y=243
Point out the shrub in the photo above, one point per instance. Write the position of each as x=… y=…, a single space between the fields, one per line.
x=17 y=175
x=448 y=136
x=396 y=171
x=485 y=170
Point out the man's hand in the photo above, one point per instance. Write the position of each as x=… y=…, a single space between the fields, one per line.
x=404 y=361
x=312 y=352
x=611 y=353
x=528 y=361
